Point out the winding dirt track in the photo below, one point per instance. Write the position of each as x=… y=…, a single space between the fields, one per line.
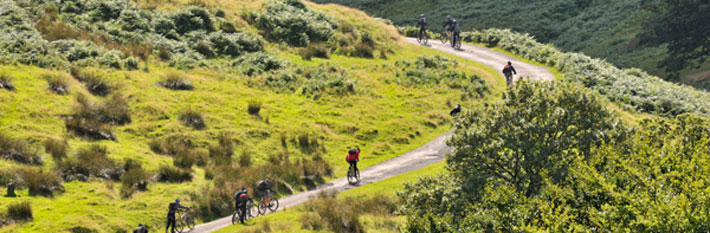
x=430 y=153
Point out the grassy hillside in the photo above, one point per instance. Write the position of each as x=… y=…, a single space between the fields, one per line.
x=599 y=28
x=154 y=111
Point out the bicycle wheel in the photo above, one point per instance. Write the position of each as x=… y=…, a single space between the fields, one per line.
x=444 y=38
x=425 y=39
x=249 y=214
x=188 y=221
x=357 y=176
x=235 y=217
x=274 y=204
x=261 y=208
x=351 y=177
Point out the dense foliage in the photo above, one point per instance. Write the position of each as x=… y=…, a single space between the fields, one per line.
x=588 y=172
x=290 y=21
x=439 y=71
x=631 y=87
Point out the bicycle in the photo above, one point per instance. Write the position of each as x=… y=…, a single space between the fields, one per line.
x=423 y=38
x=456 y=42
x=353 y=176
x=273 y=205
x=186 y=223
x=446 y=37
x=248 y=216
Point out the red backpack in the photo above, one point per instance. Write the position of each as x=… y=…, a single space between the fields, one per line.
x=506 y=69
x=243 y=197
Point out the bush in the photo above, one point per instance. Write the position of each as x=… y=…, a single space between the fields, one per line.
x=57 y=83
x=293 y=23
x=56 y=147
x=235 y=44
x=315 y=50
x=172 y=145
x=90 y=128
x=130 y=63
x=135 y=179
x=185 y=159
x=337 y=216
x=90 y=162
x=254 y=106
x=40 y=182
x=6 y=82
x=193 y=118
x=438 y=71
x=20 y=211
x=93 y=120
x=258 y=63
x=245 y=160
x=172 y=174
x=95 y=82
x=327 y=79
x=193 y=18
x=176 y=81
x=18 y=150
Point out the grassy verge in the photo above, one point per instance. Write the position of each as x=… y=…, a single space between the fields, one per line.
x=290 y=220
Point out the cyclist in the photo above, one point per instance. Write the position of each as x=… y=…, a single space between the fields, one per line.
x=140 y=229
x=508 y=71
x=240 y=204
x=264 y=189
x=422 y=24
x=456 y=110
x=456 y=30
x=353 y=157
x=172 y=209
x=447 y=25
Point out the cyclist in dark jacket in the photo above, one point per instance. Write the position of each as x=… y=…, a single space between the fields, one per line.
x=447 y=24
x=141 y=229
x=422 y=24
x=241 y=199
x=172 y=209
x=264 y=189
x=456 y=30
x=456 y=110
x=508 y=71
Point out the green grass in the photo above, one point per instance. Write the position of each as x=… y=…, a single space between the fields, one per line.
x=290 y=219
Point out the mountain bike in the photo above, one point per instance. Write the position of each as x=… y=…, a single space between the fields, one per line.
x=273 y=205
x=186 y=223
x=248 y=215
x=456 y=42
x=446 y=37
x=423 y=38
x=353 y=176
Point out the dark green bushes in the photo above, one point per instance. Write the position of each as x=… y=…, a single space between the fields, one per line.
x=253 y=107
x=18 y=150
x=6 y=82
x=258 y=63
x=176 y=81
x=291 y=22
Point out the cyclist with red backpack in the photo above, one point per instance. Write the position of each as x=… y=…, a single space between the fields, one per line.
x=508 y=71
x=241 y=198
x=353 y=157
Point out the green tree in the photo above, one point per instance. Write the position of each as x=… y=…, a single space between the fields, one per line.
x=536 y=130
x=682 y=24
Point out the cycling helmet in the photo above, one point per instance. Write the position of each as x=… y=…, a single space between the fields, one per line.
x=422 y=15
x=244 y=188
x=268 y=181
x=454 y=21
x=177 y=200
x=448 y=16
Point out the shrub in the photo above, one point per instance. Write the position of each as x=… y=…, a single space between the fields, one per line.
x=235 y=44
x=293 y=23
x=90 y=120
x=95 y=82
x=90 y=162
x=193 y=118
x=315 y=50
x=439 y=71
x=193 y=18
x=135 y=179
x=227 y=26
x=90 y=128
x=40 y=182
x=258 y=63
x=327 y=79
x=18 y=150
x=130 y=63
x=184 y=159
x=6 y=82
x=172 y=145
x=245 y=160
x=219 y=13
x=57 y=83
x=338 y=217
x=254 y=106
x=57 y=148
x=20 y=211
x=172 y=174
x=176 y=81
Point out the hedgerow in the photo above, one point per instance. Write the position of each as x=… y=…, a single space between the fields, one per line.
x=632 y=87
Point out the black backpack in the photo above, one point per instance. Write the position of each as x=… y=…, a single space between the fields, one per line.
x=352 y=151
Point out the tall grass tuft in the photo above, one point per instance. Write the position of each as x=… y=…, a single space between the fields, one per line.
x=18 y=150
x=176 y=81
x=57 y=148
x=253 y=107
x=94 y=81
x=170 y=174
x=20 y=211
x=6 y=82
x=193 y=118
x=57 y=83
x=90 y=162
x=40 y=182
x=135 y=179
